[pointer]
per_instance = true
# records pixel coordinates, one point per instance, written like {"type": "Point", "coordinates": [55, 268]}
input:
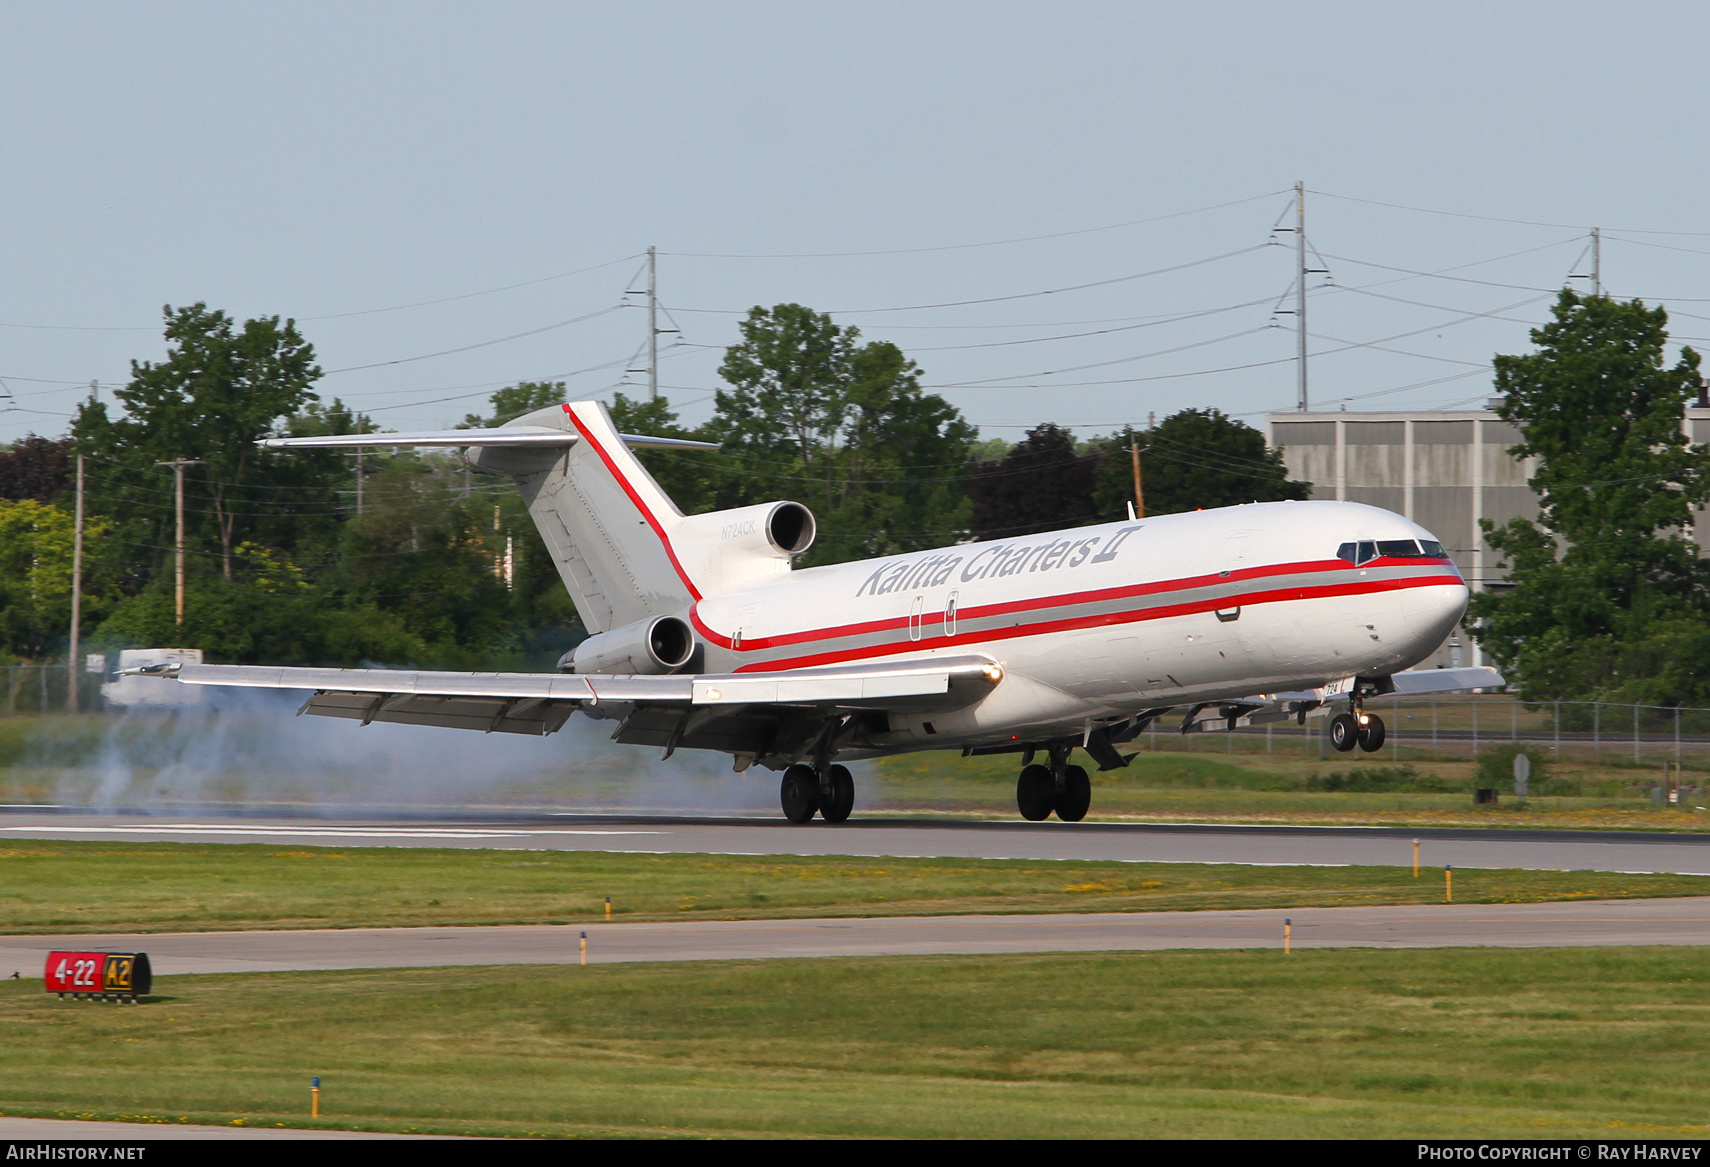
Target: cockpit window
{"type": "Point", "coordinates": [1365, 552]}
{"type": "Point", "coordinates": [1399, 548]}
{"type": "Point", "coordinates": [1358, 553]}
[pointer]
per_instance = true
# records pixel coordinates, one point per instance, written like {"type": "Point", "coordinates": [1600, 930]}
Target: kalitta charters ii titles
{"type": "Point", "coordinates": [993, 562]}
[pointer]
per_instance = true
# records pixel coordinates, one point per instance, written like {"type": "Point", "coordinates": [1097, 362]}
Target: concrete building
{"type": "Point", "coordinates": [1444, 470]}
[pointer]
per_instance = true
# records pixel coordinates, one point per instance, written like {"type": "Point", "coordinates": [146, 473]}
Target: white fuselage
{"type": "Point", "coordinates": [1101, 622]}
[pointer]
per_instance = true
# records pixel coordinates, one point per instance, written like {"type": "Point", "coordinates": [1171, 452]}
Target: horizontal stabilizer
{"type": "Point", "coordinates": [1445, 680]}
{"type": "Point", "coordinates": [512, 436]}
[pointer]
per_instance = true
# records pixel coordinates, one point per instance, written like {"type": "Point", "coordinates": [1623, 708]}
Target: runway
{"type": "Point", "coordinates": [1612, 922]}
{"type": "Point", "coordinates": [938, 838]}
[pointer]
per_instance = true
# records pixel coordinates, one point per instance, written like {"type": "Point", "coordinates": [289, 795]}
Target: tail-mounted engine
{"type": "Point", "coordinates": [660, 645]}
{"type": "Point", "coordinates": [734, 547]}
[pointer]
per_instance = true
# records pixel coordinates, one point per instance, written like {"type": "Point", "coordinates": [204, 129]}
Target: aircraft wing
{"type": "Point", "coordinates": [671, 707]}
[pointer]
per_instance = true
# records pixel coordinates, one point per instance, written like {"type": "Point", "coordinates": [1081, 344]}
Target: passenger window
{"type": "Point", "coordinates": [1366, 553]}
{"type": "Point", "coordinates": [1345, 551]}
{"type": "Point", "coordinates": [1399, 548]}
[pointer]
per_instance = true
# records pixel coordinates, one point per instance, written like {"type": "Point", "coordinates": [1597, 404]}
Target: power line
{"type": "Point", "coordinates": [1495, 218]}
{"type": "Point", "coordinates": [480, 344]}
{"type": "Point", "coordinates": [968, 246]}
{"type": "Point", "coordinates": [1017, 296]}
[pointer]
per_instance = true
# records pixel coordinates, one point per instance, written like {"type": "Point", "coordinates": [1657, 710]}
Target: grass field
{"type": "Point", "coordinates": [1356, 1043]}
{"type": "Point", "coordinates": [1208, 785]}
{"type": "Point", "coordinates": [52, 886]}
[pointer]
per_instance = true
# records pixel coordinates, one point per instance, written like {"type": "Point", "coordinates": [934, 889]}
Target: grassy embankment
{"type": "Point", "coordinates": [1207, 785]}
{"type": "Point", "coordinates": [50, 886]}
{"type": "Point", "coordinates": [1322, 1044]}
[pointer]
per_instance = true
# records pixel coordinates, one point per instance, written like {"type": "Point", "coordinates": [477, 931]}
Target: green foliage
{"type": "Point", "coordinates": [1610, 597]}
{"type": "Point", "coordinates": [513, 401]}
{"type": "Point", "coordinates": [692, 479]}
{"type": "Point", "coordinates": [35, 575]}
{"type": "Point", "coordinates": [243, 621]}
{"type": "Point", "coordinates": [1044, 483]}
{"type": "Point", "coordinates": [220, 390]}
{"type": "Point", "coordinates": [1383, 780]}
{"type": "Point", "coordinates": [1194, 459]}
{"type": "Point", "coordinates": [842, 427]}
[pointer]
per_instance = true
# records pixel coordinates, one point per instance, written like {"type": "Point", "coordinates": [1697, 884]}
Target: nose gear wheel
{"type": "Point", "coordinates": [1344, 732]}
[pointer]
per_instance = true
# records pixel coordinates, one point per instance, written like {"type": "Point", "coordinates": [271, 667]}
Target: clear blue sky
{"type": "Point", "coordinates": [319, 160]}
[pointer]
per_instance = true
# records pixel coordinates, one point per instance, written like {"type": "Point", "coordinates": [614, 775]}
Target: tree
{"type": "Point", "coordinates": [513, 401]}
{"type": "Point", "coordinates": [1609, 594]}
{"type": "Point", "coordinates": [790, 377]}
{"type": "Point", "coordinates": [1042, 484]}
{"type": "Point", "coordinates": [1194, 459]}
{"type": "Point", "coordinates": [842, 426]}
{"type": "Point", "coordinates": [35, 575]}
{"type": "Point", "coordinates": [219, 391]}
{"type": "Point", "coordinates": [902, 477]}
{"type": "Point", "coordinates": [35, 467]}
{"type": "Point", "coordinates": [691, 478]}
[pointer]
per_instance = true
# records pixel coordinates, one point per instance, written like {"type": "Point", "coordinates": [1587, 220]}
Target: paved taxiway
{"type": "Point", "coordinates": [941, 838]}
{"type": "Point", "coordinates": [1661, 921]}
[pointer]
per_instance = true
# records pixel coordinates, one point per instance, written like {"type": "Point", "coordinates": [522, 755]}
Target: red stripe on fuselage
{"type": "Point", "coordinates": [1132, 616]}
{"type": "Point", "coordinates": [652, 521]}
{"type": "Point", "coordinates": [1011, 607]}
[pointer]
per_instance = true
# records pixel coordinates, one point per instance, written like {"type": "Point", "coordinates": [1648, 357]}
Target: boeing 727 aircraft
{"type": "Point", "coordinates": [704, 638]}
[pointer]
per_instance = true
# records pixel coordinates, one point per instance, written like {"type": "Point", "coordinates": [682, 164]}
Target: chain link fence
{"type": "Point", "coordinates": [1461, 726]}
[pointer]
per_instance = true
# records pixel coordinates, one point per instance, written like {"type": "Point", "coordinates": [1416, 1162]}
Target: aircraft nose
{"type": "Point", "coordinates": [1433, 612]}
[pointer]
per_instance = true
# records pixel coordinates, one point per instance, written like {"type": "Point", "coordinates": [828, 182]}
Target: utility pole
{"type": "Point", "coordinates": [178, 506]}
{"type": "Point", "coordinates": [653, 330]}
{"type": "Point", "coordinates": [359, 474]}
{"type": "Point", "coordinates": [1300, 284]}
{"type": "Point", "coordinates": [76, 595]}
{"type": "Point", "coordinates": [652, 325]}
{"type": "Point", "coordinates": [1139, 491]}
{"type": "Point", "coordinates": [1597, 261]}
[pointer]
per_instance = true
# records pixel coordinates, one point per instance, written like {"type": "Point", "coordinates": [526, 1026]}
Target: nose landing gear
{"type": "Point", "coordinates": [1060, 787]}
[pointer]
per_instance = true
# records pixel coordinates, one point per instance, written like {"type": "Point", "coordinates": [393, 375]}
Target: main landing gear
{"type": "Point", "coordinates": [1059, 787]}
{"type": "Point", "coordinates": [830, 790]}
{"type": "Point", "coordinates": [1358, 728]}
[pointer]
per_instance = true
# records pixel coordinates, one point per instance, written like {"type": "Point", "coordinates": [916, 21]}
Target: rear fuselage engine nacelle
{"type": "Point", "coordinates": [662, 644]}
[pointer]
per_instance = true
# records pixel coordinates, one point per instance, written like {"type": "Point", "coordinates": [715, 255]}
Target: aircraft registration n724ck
{"type": "Point", "coordinates": [703, 637]}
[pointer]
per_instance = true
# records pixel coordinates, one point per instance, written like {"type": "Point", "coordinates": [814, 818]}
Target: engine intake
{"type": "Point", "coordinates": [790, 528]}
{"type": "Point", "coordinates": [659, 645]}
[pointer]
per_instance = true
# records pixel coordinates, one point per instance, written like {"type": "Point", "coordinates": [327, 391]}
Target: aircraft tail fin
{"type": "Point", "coordinates": [607, 524]}
{"type": "Point", "coordinates": [621, 546]}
